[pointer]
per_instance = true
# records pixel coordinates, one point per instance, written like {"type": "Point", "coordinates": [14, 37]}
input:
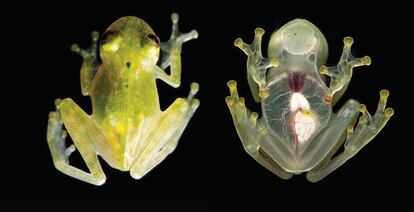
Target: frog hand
{"type": "Point", "coordinates": [256, 63]}
{"type": "Point", "coordinates": [341, 73]}
{"type": "Point", "coordinates": [90, 62]}
{"type": "Point", "coordinates": [172, 48]}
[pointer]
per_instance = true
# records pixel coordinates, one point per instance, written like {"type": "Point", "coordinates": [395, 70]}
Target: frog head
{"type": "Point", "coordinates": [299, 38]}
{"type": "Point", "coordinates": [127, 40]}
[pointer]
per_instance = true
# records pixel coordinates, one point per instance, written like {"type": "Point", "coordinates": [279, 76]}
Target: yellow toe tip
{"type": "Point", "coordinates": [274, 62]}
{"type": "Point", "coordinates": [366, 60]}
{"type": "Point", "coordinates": [254, 116]}
{"type": "Point", "coordinates": [95, 35]}
{"type": "Point", "coordinates": [350, 129]}
{"type": "Point", "coordinates": [263, 94]}
{"type": "Point", "coordinates": [75, 48]}
{"type": "Point", "coordinates": [241, 101]}
{"type": "Point", "coordinates": [384, 93]}
{"type": "Point", "coordinates": [174, 17]}
{"type": "Point", "coordinates": [259, 31]}
{"type": "Point", "coordinates": [348, 41]}
{"type": "Point", "coordinates": [229, 101]}
{"type": "Point", "coordinates": [194, 33]}
{"type": "Point", "coordinates": [194, 86]}
{"type": "Point", "coordinates": [362, 108]}
{"type": "Point", "coordinates": [238, 42]}
{"type": "Point", "coordinates": [232, 84]}
{"type": "Point", "coordinates": [389, 112]}
{"type": "Point", "coordinates": [323, 69]}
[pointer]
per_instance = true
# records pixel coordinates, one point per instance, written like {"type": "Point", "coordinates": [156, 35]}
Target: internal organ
{"type": "Point", "coordinates": [296, 81]}
{"type": "Point", "coordinates": [303, 121]}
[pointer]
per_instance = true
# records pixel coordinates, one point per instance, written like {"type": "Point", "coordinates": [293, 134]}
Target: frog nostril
{"type": "Point", "coordinates": [128, 64]}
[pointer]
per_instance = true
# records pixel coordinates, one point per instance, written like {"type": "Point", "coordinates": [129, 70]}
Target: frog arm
{"type": "Point", "coordinates": [90, 63]}
{"type": "Point", "coordinates": [341, 74]}
{"type": "Point", "coordinates": [171, 53]}
{"type": "Point", "coordinates": [368, 127]}
{"type": "Point", "coordinates": [256, 64]}
{"type": "Point", "coordinates": [251, 132]}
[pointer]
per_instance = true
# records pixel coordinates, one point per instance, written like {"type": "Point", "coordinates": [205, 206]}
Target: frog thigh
{"type": "Point", "coordinates": [164, 138]}
{"type": "Point", "coordinates": [80, 128]}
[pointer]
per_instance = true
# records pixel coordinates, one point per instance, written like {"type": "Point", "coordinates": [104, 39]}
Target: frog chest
{"type": "Point", "coordinates": [295, 110]}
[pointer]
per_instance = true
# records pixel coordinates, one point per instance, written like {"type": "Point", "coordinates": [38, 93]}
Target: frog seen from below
{"type": "Point", "coordinates": [298, 131]}
{"type": "Point", "coordinates": [127, 127]}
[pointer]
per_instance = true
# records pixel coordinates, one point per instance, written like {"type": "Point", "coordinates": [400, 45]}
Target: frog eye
{"type": "Point", "coordinates": [108, 36]}
{"type": "Point", "coordinates": [110, 41]}
{"type": "Point", "coordinates": [154, 39]}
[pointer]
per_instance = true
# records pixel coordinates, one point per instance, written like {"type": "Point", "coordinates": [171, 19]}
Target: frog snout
{"type": "Point", "coordinates": [299, 38]}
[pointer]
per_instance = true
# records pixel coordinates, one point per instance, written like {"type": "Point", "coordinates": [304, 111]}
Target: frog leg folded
{"type": "Point", "coordinates": [90, 63]}
{"type": "Point", "coordinates": [250, 131]}
{"type": "Point", "coordinates": [163, 139]}
{"type": "Point", "coordinates": [368, 127]}
{"type": "Point", "coordinates": [341, 74]}
{"type": "Point", "coordinates": [171, 53]}
{"type": "Point", "coordinates": [86, 137]}
{"type": "Point", "coordinates": [256, 64]}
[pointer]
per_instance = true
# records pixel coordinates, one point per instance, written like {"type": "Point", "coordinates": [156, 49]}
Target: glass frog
{"type": "Point", "coordinates": [127, 127]}
{"type": "Point", "coordinates": [298, 131]}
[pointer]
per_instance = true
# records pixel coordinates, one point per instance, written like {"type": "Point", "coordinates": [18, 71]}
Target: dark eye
{"type": "Point", "coordinates": [108, 36]}
{"type": "Point", "coordinates": [154, 39]}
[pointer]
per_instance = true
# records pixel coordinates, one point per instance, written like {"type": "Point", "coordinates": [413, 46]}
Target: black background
{"type": "Point", "coordinates": [209, 166]}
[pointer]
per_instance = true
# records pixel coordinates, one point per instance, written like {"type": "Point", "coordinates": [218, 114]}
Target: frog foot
{"type": "Point", "coordinates": [89, 54]}
{"type": "Point", "coordinates": [368, 126]}
{"type": "Point", "coordinates": [194, 87]}
{"type": "Point", "coordinates": [256, 63]}
{"type": "Point", "coordinates": [341, 73]}
{"type": "Point", "coordinates": [57, 135]}
{"type": "Point", "coordinates": [176, 40]}
{"type": "Point", "coordinates": [235, 103]}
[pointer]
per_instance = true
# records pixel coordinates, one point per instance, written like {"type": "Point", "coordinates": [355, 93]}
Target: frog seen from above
{"type": "Point", "coordinates": [298, 131]}
{"type": "Point", "coordinates": [127, 127]}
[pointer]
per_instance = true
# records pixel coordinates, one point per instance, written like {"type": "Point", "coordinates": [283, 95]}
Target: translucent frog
{"type": "Point", "coordinates": [127, 127]}
{"type": "Point", "coordinates": [298, 131]}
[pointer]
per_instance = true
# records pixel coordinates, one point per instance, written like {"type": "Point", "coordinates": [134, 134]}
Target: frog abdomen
{"type": "Point", "coordinates": [294, 110]}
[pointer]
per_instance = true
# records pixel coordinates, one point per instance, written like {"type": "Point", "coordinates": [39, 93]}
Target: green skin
{"type": "Point", "coordinates": [127, 127]}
